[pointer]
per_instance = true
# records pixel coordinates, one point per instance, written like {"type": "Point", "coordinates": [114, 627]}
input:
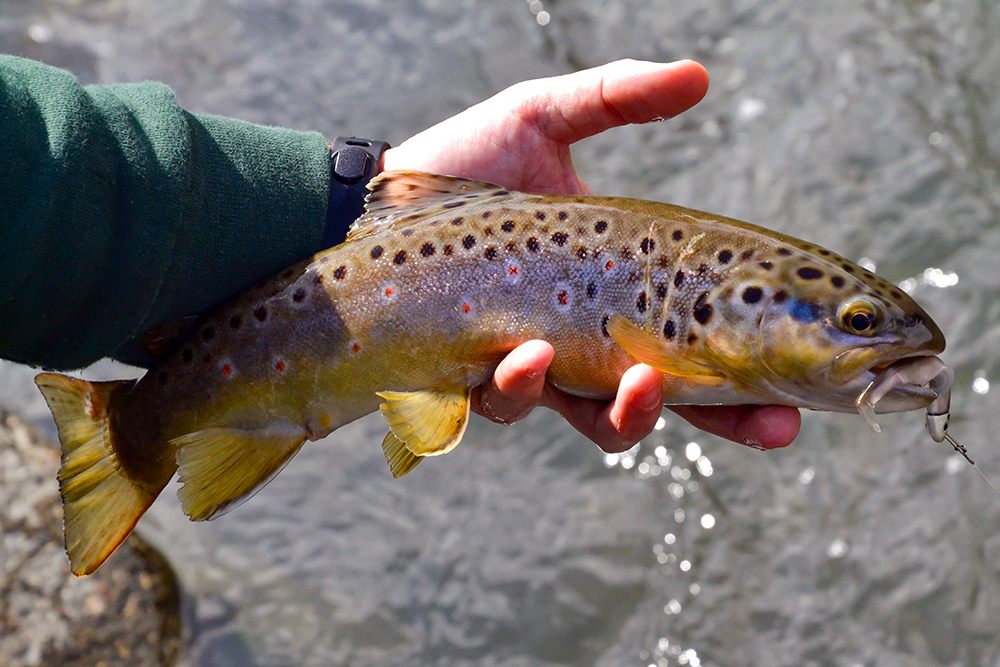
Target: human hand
{"type": "Point", "coordinates": [520, 138]}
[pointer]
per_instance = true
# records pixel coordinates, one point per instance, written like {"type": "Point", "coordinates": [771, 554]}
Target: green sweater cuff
{"type": "Point", "coordinates": [122, 212]}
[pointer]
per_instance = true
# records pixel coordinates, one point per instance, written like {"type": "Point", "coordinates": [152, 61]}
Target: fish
{"type": "Point", "coordinates": [437, 281]}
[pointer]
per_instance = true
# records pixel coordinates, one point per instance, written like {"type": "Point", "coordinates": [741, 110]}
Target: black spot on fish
{"type": "Point", "coordinates": [260, 313]}
{"type": "Point", "coordinates": [640, 303]}
{"type": "Point", "coordinates": [468, 242]}
{"type": "Point", "coordinates": [532, 244]}
{"type": "Point", "coordinates": [661, 291]}
{"type": "Point", "coordinates": [512, 246]}
{"type": "Point", "coordinates": [601, 226]}
{"type": "Point", "coordinates": [678, 279]}
{"type": "Point", "coordinates": [407, 232]}
{"type": "Point", "coordinates": [669, 330]}
{"type": "Point", "coordinates": [591, 290]}
{"type": "Point", "coordinates": [235, 321]}
{"type": "Point", "coordinates": [454, 204]}
{"type": "Point", "coordinates": [581, 252]}
{"type": "Point", "coordinates": [678, 235]}
{"type": "Point", "coordinates": [747, 254]}
{"type": "Point", "coordinates": [458, 221]}
{"type": "Point", "coordinates": [448, 250]}
{"type": "Point", "coordinates": [766, 265]}
{"type": "Point", "coordinates": [187, 355]}
{"type": "Point", "coordinates": [895, 294]}
{"type": "Point", "coordinates": [702, 269]}
{"type": "Point", "coordinates": [487, 214]}
{"type": "Point", "coordinates": [692, 338]}
{"type": "Point", "coordinates": [824, 252]}
{"type": "Point", "coordinates": [340, 272]}
{"type": "Point", "coordinates": [490, 253]}
{"type": "Point", "coordinates": [427, 249]}
{"type": "Point", "coordinates": [508, 226]}
{"type": "Point", "coordinates": [626, 252]}
{"type": "Point", "coordinates": [809, 273]}
{"type": "Point", "coordinates": [837, 281]}
{"type": "Point", "coordinates": [664, 262]}
{"type": "Point", "coordinates": [604, 326]}
{"type": "Point", "coordinates": [752, 295]}
{"type": "Point", "coordinates": [702, 310]}
{"type": "Point", "coordinates": [400, 258]}
{"type": "Point", "coordinates": [318, 279]}
{"type": "Point", "coordinates": [488, 231]}
{"type": "Point", "coordinates": [563, 215]}
{"type": "Point", "coordinates": [780, 296]}
{"type": "Point", "coordinates": [847, 267]}
{"type": "Point", "coordinates": [647, 245]}
{"type": "Point", "coordinates": [725, 256]}
{"type": "Point", "coordinates": [377, 252]}
{"type": "Point", "coordinates": [784, 252]}
{"type": "Point", "coordinates": [208, 333]}
{"type": "Point", "coordinates": [299, 295]}
{"type": "Point", "coordinates": [540, 215]}
{"type": "Point", "coordinates": [560, 238]}
{"type": "Point", "coordinates": [500, 193]}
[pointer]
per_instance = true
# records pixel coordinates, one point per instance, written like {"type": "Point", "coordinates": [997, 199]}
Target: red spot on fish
{"type": "Point", "coordinates": [280, 366]}
{"type": "Point", "coordinates": [610, 265]}
{"type": "Point", "coordinates": [513, 270]}
{"type": "Point", "coordinates": [563, 297]}
{"type": "Point", "coordinates": [227, 369]}
{"type": "Point", "coordinates": [466, 308]}
{"type": "Point", "coordinates": [389, 291]}
{"type": "Point", "coordinates": [356, 348]}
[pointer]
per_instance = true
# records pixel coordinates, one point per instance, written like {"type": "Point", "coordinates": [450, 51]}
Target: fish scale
{"type": "Point", "coordinates": [435, 284]}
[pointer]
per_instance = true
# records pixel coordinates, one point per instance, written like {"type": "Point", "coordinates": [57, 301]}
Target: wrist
{"type": "Point", "coordinates": [353, 163]}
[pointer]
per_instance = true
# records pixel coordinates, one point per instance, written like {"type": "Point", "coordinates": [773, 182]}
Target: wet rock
{"type": "Point", "coordinates": [127, 613]}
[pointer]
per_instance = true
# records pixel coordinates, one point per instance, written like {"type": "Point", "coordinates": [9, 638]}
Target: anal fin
{"type": "Point", "coordinates": [646, 348]}
{"type": "Point", "coordinates": [429, 422]}
{"type": "Point", "coordinates": [221, 468]}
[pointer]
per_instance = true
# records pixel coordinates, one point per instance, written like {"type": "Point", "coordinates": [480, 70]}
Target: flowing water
{"type": "Point", "coordinates": [871, 127]}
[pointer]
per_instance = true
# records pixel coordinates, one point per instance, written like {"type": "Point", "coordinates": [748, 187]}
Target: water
{"type": "Point", "coordinates": [869, 127]}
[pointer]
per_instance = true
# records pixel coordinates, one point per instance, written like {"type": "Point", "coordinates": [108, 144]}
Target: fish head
{"type": "Point", "coordinates": [818, 329]}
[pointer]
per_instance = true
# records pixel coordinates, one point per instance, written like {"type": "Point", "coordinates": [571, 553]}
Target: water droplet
{"type": "Point", "coordinates": [866, 264]}
{"type": "Point", "coordinates": [704, 466]}
{"type": "Point", "coordinates": [679, 516]}
{"type": "Point", "coordinates": [837, 549]}
{"type": "Point", "coordinates": [807, 475]}
{"type": "Point", "coordinates": [934, 139]}
{"type": "Point", "coordinates": [980, 384]}
{"type": "Point", "coordinates": [692, 451]}
{"type": "Point", "coordinates": [672, 607]}
{"type": "Point", "coordinates": [685, 565]}
{"type": "Point", "coordinates": [660, 424]}
{"type": "Point", "coordinates": [707, 521]}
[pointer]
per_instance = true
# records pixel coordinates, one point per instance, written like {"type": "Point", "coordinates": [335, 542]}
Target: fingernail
{"type": "Point", "coordinates": [651, 399]}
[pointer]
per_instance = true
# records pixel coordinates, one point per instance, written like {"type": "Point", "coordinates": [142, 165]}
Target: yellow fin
{"type": "Point", "coordinates": [646, 348]}
{"type": "Point", "coordinates": [400, 459]}
{"type": "Point", "coordinates": [101, 504]}
{"type": "Point", "coordinates": [395, 195]}
{"type": "Point", "coordinates": [221, 468]}
{"type": "Point", "coordinates": [430, 422]}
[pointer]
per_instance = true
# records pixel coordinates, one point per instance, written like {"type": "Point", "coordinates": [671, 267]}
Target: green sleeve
{"type": "Point", "coordinates": [120, 211]}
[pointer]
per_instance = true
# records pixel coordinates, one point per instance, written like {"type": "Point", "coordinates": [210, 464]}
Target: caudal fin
{"type": "Point", "coordinates": [101, 504]}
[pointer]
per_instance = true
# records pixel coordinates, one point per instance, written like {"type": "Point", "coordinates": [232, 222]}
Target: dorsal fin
{"type": "Point", "coordinates": [396, 196]}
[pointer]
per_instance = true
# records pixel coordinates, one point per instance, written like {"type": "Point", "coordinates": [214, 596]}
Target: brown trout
{"type": "Point", "coordinates": [435, 284]}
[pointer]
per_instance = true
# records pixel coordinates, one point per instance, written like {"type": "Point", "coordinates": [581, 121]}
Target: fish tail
{"type": "Point", "coordinates": [101, 503]}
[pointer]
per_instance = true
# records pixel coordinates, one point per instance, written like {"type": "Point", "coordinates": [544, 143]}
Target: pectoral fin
{"type": "Point", "coordinates": [400, 459]}
{"type": "Point", "coordinates": [221, 468]}
{"type": "Point", "coordinates": [646, 348]}
{"type": "Point", "coordinates": [429, 422]}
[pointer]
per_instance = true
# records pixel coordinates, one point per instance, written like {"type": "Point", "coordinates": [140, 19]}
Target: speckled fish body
{"type": "Point", "coordinates": [442, 277]}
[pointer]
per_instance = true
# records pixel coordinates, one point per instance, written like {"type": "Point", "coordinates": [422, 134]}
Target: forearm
{"type": "Point", "coordinates": [120, 211]}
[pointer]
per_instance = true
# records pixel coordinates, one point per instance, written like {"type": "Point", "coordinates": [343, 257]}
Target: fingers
{"type": "Point", "coordinates": [757, 426]}
{"type": "Point", "coordinates": [617, 426]}
{"type": "Point", "coordinates": [575, 106]}
{"type": "Point", "coordinates": [517, 384]}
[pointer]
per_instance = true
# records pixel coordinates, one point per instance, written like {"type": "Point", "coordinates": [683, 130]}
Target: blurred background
{"type": "Point", "coordinates": [871, 127]}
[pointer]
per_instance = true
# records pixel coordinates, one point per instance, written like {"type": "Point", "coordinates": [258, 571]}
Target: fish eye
{"type": "Point", "coordinates": [861, 316]}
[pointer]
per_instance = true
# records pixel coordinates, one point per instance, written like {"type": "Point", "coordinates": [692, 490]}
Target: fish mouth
{"type": "Point", "coordinates": [906, 384]}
